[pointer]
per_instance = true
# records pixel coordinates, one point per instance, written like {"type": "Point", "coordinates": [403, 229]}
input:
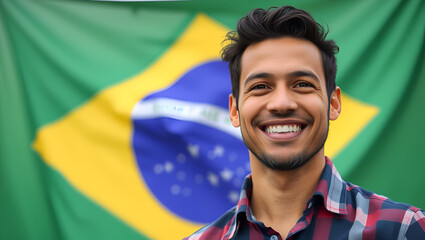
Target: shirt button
{"type": "Point", "coordinates": [274, 237]}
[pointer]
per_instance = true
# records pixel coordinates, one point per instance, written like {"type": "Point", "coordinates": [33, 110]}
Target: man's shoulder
{"type": "Point", "coordinates": [359, 197]}
{"type": "Point", "coordinates": [219, 229]}
{"type": "Point", "coordinates": [383, 211]}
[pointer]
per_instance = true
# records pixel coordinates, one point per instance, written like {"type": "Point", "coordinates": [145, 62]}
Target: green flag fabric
{"type": "Point", "coordinates": [113, 121]}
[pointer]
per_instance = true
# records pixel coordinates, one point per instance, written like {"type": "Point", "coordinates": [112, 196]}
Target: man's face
{"type": "Point", "coordinates": [283, 106]}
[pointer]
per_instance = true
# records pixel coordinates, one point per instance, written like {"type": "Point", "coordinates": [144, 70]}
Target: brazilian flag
{"type": "Point", "coordinates": [114, 120]}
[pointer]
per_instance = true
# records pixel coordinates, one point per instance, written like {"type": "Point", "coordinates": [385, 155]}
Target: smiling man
{"type": "Point", "coordinates": [283, 96]}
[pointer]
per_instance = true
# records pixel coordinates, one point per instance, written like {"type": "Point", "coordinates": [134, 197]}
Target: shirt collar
{"type": "Point", "coordinates": [243, 211]}
{"type": "Point", "coordinates": [331, 189]}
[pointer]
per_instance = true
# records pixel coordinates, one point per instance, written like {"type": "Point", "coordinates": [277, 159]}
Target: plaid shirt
{"type": "Point", "coordinates": [337, 210]}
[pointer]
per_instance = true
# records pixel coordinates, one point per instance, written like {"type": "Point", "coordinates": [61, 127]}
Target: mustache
{"type": "Point", "coordinates": [282, 116]}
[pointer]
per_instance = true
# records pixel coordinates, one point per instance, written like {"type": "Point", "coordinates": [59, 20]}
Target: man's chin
{"type": "Point", "coordinates": [284, 163]}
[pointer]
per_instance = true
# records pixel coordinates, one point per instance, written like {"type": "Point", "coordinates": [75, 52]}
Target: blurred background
{"type": "Point", "coordinates": [113, 115]}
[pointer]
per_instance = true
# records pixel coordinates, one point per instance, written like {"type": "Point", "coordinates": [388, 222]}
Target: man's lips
{"type": "Point", "coordinates": [282, 126]}
{"type": "Point", "coordinates": [283, 129]}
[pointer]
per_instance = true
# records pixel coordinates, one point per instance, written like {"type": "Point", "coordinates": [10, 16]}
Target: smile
{"type": "Point", "coordinates": [286, 128]}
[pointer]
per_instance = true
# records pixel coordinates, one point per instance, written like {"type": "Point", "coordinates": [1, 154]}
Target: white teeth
{"type": "Point", "coordinates": [283, 128]}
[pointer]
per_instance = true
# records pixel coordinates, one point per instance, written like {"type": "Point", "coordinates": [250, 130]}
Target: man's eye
{"type": "Point", "coordinates": [304, 84]}
{"type": "Point", "coordinates": [259, 87]}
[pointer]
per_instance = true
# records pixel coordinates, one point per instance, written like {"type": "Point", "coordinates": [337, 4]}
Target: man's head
{"type": "Point", "coordinates": [260, 24]}
{"type": "Point", "coordinates": [284, 93]}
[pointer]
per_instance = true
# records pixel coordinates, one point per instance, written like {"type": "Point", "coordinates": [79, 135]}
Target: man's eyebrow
{"type": "Point", "coordinates": [256, 76]}
{"type": "Point", "coordinates": [304, 73]}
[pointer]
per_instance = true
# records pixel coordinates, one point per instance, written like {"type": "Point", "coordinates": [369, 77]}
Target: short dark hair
{"type": "Point", "coordinates": [260, 24]}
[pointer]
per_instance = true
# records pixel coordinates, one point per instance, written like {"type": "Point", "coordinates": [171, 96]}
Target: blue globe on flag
{"type": "Point", "coordinates": [190, 156]}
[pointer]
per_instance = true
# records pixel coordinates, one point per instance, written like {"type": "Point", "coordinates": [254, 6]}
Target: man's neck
{"type": "Point", "coordinates": [279, 197]}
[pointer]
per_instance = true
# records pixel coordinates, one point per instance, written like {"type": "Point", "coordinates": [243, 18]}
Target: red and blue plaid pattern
{"type": "Point", "coordinates": [337, 210]}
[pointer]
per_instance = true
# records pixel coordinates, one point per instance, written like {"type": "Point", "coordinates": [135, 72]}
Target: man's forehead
{"type": "Point", "coordinates": [286, 54]}
{"type": "Point", "coordinates": [282, 46]}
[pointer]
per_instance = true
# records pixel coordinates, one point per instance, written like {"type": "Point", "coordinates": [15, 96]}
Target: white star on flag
{"type": "Point", "coordinates": [168, 166]}
{"type": "Point", "coordinates": [213, 179]}
{"type": "Point", "coordinates": [233, 196]}
{"type": "Point", "coordinates": [226, 174]}
{"type": "Point", "coordinates": [193, 150]}
{"type": "Point", "coordinates": [218, 151]}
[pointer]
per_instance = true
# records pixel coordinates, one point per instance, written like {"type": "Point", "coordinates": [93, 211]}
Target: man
{"type": "Point", "coordinates": [283, 96]}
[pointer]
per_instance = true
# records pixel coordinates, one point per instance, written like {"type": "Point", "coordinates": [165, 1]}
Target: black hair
{"type": "Point", "coordinates": [260, 24]}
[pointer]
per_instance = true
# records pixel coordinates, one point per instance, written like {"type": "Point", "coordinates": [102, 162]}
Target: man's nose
{"type": "Point", "coordinates": [281, 101]}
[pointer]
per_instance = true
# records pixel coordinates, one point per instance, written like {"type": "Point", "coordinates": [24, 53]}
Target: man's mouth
{"type": "Point", "coordinates": [283, 128]}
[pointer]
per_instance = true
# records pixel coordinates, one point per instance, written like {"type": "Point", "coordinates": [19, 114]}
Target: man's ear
{"type": "Point", "coordinates": [233, 111]}
{"type": "Point", "coordinates": [335, 104]}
